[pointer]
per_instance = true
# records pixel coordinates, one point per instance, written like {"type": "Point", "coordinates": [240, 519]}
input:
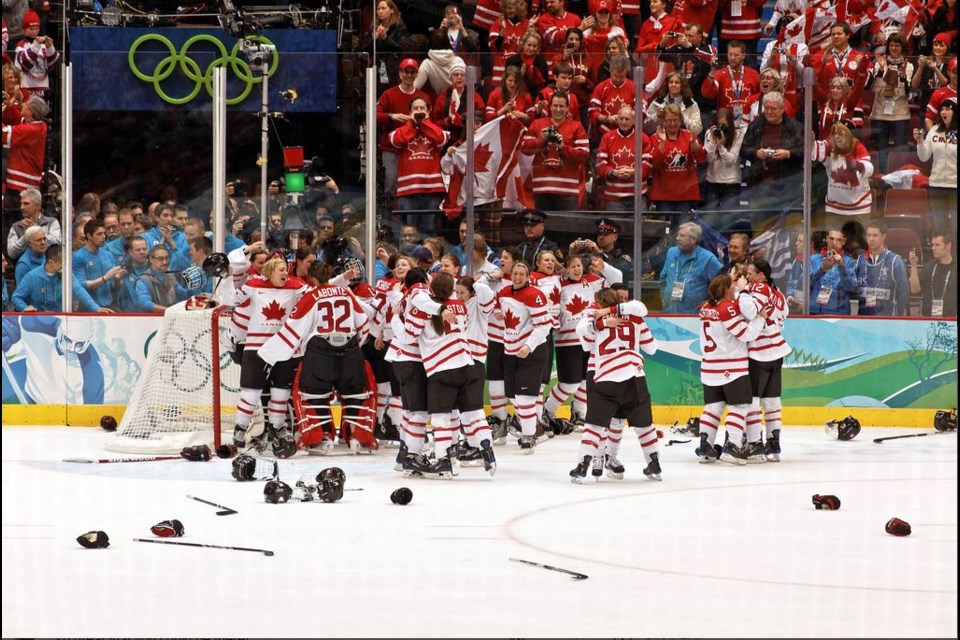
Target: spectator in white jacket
{"type": "Point", "coordinates": [677, 91]}
{"type": "Point", "coordinates": [940, 143]}
{"type": "Point", "coordinates": [722, 187]}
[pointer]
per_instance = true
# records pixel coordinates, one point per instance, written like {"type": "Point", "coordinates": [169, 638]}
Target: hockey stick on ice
{"type": "Point", "coordinates": [207, 546]}
{"type": "Point", "coordinates": [110, 460]}
{"type": "Point", "coordinates": [574, 574]}
{"type": "Point", "coordinates": [911, 435]}
{"type": "Point", "coordinates": [227, 511]}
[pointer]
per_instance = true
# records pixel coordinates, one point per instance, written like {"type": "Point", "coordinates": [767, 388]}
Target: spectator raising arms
{"type": "Point", "coordinates": [940, 144]}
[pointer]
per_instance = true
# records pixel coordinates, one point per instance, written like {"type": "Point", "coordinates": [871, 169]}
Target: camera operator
{"type": "Point", "coordinates": [833, 277]}
{"type": "Point", "coordinates": [692, 56]}
{"type": "Point", "coordinates": [135, 262]}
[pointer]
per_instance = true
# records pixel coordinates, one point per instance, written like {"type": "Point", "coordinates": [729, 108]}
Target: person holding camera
{"type": "Point", "coordinates": [931, 73]}
{"type": "Point", "coordinates": [462, 40]}
{"type": "Point", "coordinates": [560, 149]}
{"type": "Point", "coordinates": [657, 33]}
{"type": "Point", "coordinates": [35, 56]}
{"type": "Point", "coordinates": [420, 187]}
{"type": "Point", "coordinates": [936, 279]}
{"type": "Point", "coordinates": [135, 263]}
{"type": "Point", "coordinates": [617, 164]}
{"type": "Point", "coordinates": [833, 277]}
{"type": "Point", "coordinates": [676, 91]}
{"type": "Point", "coordinates": [393, 111]}
{"type": "Point", "coordinates": [552, 25]}
{"type": "Point", "coordinates": [27, 142]}
{"type": "Point", "coordinates": [732, 85]}
{"type": "Point", "coordinates": [722, 187]}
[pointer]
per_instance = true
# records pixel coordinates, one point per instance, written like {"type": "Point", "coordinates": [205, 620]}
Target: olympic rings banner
{"type": "Point", "coordinates": [158, 69]}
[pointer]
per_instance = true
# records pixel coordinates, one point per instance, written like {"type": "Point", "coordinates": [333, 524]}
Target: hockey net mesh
{"type": "Point", "coordinates": [173, 404]}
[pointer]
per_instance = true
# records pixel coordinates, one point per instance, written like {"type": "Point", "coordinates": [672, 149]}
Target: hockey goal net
{"type": "Point", "coordinates": [182, 399]}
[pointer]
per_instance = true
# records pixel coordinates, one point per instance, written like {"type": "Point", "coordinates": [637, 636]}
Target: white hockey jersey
{"type": "Point", "coordinates": [526, 318]}
{"type": "Point", "coordinates": [261, 309]}
{"type": "Point", "coordinates": [770, 344]}
{"type": "Point", "coordinates": [479, 312]}
{"type": "Point", "coordinates": [550, 286]}
{"type": "Point", "coordinates": [724, 334]}
{"type": "Point", "coordinates": [441, 351]}
{"type": "Point", "coordinates": [495, 325]}
{"type": "Point", "coordinates": [576, 301]}
{"type": "Point", "coordinates": [324, 311]}
{"type": "Point", "coordinates": [615, 351]}
{"type": "Point", "coordinates": [404, 347]}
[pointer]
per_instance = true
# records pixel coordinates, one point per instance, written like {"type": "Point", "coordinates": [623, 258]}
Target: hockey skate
{"type": "Point", "coordinates": [597, 468]}
{"type": "Point", "coordinates": [772, 448]}
{"type": "Point", "coordinates": [498, 429]}
{"type": "Point", "coordinates": [322, 448]}
{"type": "Point", "coordinates": [402, 454]}
{"type": "Point", "coordinates": [239, 437]}
{"type": "Point", "coordinates": [755, 452]}
{"type": "Point", "coordinates": [614, 467]}
{"type": "Point", "coordinates": [467, 455]}
{"type": "Point", "coordinates": [579, 473]}
{"type": "Point", "coordinates": [489, 460]}
{"type": "Point", "coordinates": [418, 465]}
{"type": "Point", "coordinates": [706, 452]}
{"type": "Point", "coordinates": [545, 424]}
{"type": "Point", "coordinates": [527, 443]}
{"type": "Point", "coordinates": [653, 469]}
{"type": "Point", "coordinates": [557, 426]}
{"type": "Point", "coordinates": [386, 430]}
{"type": "Point", "coordinates": [733, 454]}
{"type": "Point", "coordinates": [540, 434]}
{"type": "Point", "coordinates": [577, 421]}
{"type": "Point", "coordinates": [513, 425]}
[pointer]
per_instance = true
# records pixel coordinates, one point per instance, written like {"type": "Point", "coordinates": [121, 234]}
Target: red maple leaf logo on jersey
{"type": "Point", "coordinates": [623, 157]}
{"type": "Point", "coordinates": [273, 311]}
{"type": "Point", "coordinates": [555, 296]}
{"type": "Point", "coordinates": [481, 158]}
{"type": "Point", "coordinates": [510, 321]}
{"type": "Point", "coordinates": [846, 175]}
{"type": "Point", "coordinates": [420, 148]}
{"type": "Point", "coordinates": [576, 305]}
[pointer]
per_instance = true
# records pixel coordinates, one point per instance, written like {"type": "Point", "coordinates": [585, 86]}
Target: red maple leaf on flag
{"type": "Point", "coordinates": [510, 321]}
{"type": "Point", "coordinates": [273, 311]}
{"type": "Point", "coordinates": [555, 296]}
{"type": "Point", "coordinates": [481, 157]}
{"type": "Point", "coordinates": [576, 305]}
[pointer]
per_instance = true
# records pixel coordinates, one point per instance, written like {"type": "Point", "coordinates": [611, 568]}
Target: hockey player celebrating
{"type": "Point", "coordinates": [615, 334]}
{"type": "Point", "coordinates": [327, 326]}
{"type": "Point", "coordinates": [262, 306]}
{"type": "Point", "coordinates": [725, 330]}
{"type": "Point", "coordinates": [526, 320]}
{"type": "Point", "coordinates": [766, 363]}
{"type": "Point", "coordinates": [498, 400]}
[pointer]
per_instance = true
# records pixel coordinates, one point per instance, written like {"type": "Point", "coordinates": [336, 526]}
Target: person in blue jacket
{"type": "Point", "coordinates": [42, 288]}
{"type": "Point", "coordinates": [687, 270]}
{"type": "Point", "coordinates": [881, 276]}
{"type": "Point", "coordinates": [833, 277]}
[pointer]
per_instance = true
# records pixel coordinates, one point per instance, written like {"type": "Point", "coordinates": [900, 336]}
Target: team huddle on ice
{"type": "Point", "coordinates": [426, 345]}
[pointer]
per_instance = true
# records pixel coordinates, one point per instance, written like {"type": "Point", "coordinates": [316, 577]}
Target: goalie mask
{"type": "Point", "coordinates": [216, 265]}
{"type": "Point", "coordinates": [331, 481]}
{"type": "Point", "coordinates": [945, 421]}
{"type": "Point", "coordinates": [846, 429]}
{"type": "Point", "coordinates": [74, 335]}
{"type": "Point", "coordinates": [357, 265]}
{"type": "Point", "coordinates": [277, 492]}
{"type": "Point", "coordinates": [191, 278]}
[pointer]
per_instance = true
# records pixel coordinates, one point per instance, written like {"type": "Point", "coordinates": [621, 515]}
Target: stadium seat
{"type": "Point", "coordinates": [896, 159]}
{"type": "Point", "coordinates": [906, 208]}
{"type": "Point", "coordinates": [901, 241]}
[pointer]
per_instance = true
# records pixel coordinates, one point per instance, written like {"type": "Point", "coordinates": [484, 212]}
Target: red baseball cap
{"type": "Point", "coordinates": [944, 38]}
{"type": "Point", "coordinates": [603, 5]}
{"type": "Point", "coordinates": [30, 19]}
{"type": "Point", "coordinates": [409, 63]}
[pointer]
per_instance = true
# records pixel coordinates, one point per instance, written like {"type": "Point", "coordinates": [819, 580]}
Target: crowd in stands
{"type": "Point", "coordinates": [722, 142]}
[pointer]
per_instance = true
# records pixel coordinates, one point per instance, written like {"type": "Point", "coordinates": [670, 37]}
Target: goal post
{"type": "Point", "coordinates": [188, 392]}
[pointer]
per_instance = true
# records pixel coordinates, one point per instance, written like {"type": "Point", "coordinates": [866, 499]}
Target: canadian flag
{"type": "Point", "coordinates": [496, 165]}
{"type": "Point", "coordinates": [905, 12]}
{"type": "Point", "coordinates": [812, 27]}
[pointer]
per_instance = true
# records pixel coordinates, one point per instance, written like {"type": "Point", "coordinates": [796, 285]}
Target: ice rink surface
{"type": "Point", "coordinates": [713, 550]}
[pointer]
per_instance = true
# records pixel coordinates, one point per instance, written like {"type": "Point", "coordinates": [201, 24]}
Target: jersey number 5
{"type": "Point", "coordinates": [708, 342]}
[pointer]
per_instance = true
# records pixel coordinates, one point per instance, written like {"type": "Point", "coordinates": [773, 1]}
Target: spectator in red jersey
{"type": "Point", "coordinates": [676, 153]}
{"type": "Point", "coordinates": [552, 26]}
{"type": "Point", "coordinates": [393, 111]}
{"type": "Point", "coordinates": [27, 143]}
{"type": "Point", "coordinates": [610, 95]}
{"type": "Point", "coordinates": [840, 107]}
{"type": "Point", "coordinates": [740, 22]}
{"type": "Point", "coordinates": [506, 34]}
{"type": "Point", "coordinates": [532, 63]}
{"type": "Point", "coordinates": [732, 85]}
{"type": "Point", "coordinates": [419, 180]}
{"type": "Point", "coordinates": [598, 28]}
{"type": "Point", "coordinates": [838, 58]}
{"type": "Point", "coordinates": [658, 32]}
{"type": "Point", "coordinates": [511, 98]}
{"type": "Point", "coordinates": [617, 165]}
{"type": "Point", "coordinates": [563, 83]}
{"type": "Point", "coordinates": [450, 108]}
{"type": "Point", "coordinates": [559, 147]}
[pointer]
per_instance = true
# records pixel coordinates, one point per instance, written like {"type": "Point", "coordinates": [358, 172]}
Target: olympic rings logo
{"type": "Point", "coordinates": [189, 67]}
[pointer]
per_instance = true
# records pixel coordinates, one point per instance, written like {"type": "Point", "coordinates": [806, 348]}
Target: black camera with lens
{"type": "Point", "coordinates": [721, 130]}
{"type": "Point", "coordinates": [553, 135]}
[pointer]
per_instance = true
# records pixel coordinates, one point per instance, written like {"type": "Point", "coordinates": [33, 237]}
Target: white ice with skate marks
{"type": "Point", "coordinates": [713, 550]}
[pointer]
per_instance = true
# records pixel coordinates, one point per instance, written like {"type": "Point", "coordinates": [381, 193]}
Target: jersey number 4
{"type": "Point", "coordinates": [334, 317]}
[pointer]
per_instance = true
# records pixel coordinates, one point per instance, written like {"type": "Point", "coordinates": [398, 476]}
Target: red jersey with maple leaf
{"type": "Point", "coordinates": [262, 308]}
{"type": "Point", "coordinates": [526, 320]}
{"type": "Point", "coordinates": [394, 100]}
{"type": "Point", "coordinates": [553, 30]}
{"type": "Point", "coordinates": [740, 19]}
{"type": "Point", "coordinates": [322, 311]}
{"type": "Point", "coordinates": [576, 297]}
{"type": "Point", "coordinates": [848, 186]}
{"type": "Point", "coordinates": [724, 334]}
{"type": "Point", "coordinates": [616, 151]}
{"type": "Point", "coordinates": [615, 351]}
{"type": "Point", "coordinates": [607, 100]}
{"type": "Point", "coordinates": [731, 88]}
{"type": "Point", "coordinates": [557, 169]}
{"type": "Point", "coordinates": [441, 351]}
{"type": "Point", "coordinates": [546, 94]}
{"type": "Point", "coordinates": [550, 286]}
{"type": "Point", "coordinates": [524, 103]}
{"type": "Point", "coordinates": [770, 344]}
{"type": "Point", "coordinates": [418, 161]}
{"type": "Point", "coordinates": [505, 42]}
{"type": "Point", "coordinates": [852, 65]}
